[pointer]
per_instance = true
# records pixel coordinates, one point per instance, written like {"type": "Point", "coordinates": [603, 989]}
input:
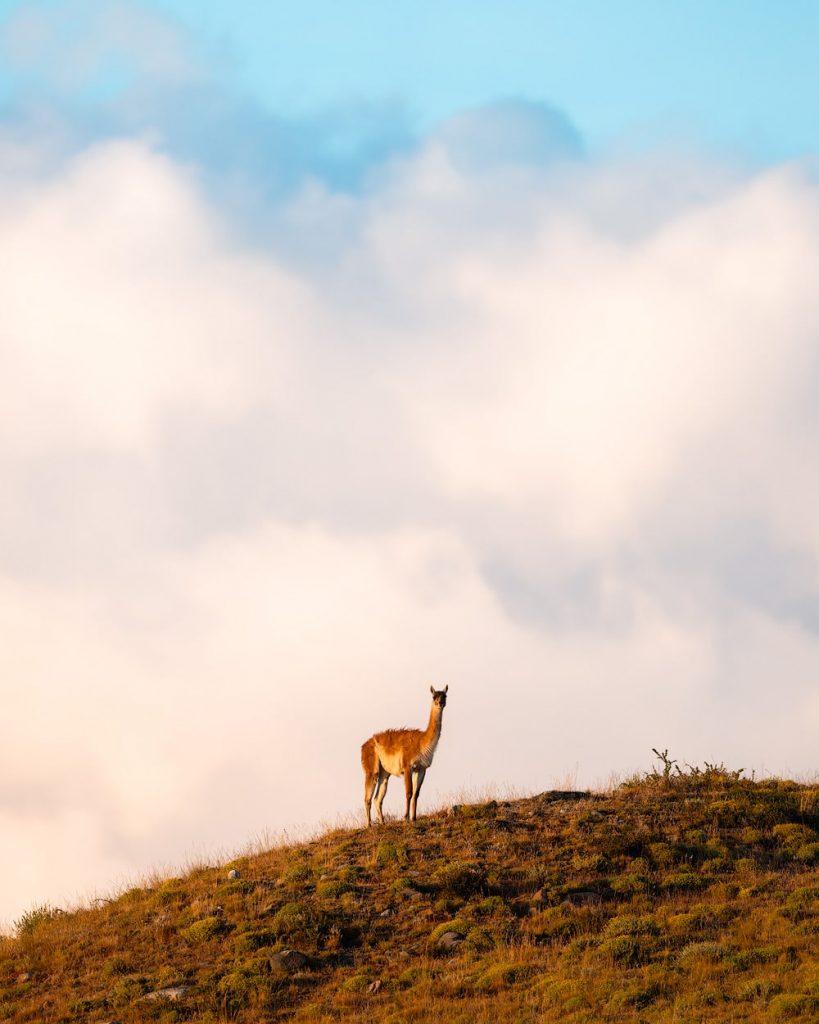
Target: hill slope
{"type": "Point", "coordinates": [689, 898]}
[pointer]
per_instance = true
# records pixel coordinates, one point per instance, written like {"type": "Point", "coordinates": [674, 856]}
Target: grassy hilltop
{"type": "Point", "coordinates": [679, 897]}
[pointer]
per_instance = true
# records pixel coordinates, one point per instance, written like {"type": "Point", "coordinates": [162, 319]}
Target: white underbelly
{"type": "Point", "coordinates": [391, 762]}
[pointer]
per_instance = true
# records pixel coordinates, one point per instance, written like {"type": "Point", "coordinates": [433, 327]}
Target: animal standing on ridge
{"type": "Point", "coordinates": [407, 752]}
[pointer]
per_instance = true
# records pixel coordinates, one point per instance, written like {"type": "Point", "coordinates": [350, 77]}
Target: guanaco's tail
{"type": "Point", "coordinates": [369, 758]}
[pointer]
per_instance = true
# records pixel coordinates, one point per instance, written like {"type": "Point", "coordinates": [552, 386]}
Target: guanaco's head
{"type": "Point", "coordinates": [439, 696]}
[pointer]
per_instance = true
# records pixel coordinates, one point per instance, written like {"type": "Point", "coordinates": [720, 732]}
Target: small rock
{"type": "Point", "coordinates": [454, 811]}
{"type": "Point", "coordinates": [375, 987]}
{"type": "Point", "coordinates": [233, 874]}
{"type": "Point", "coordinates": [289, 960]}
{"type": "Point", "coordinates": [387, 913]}
{"type": "Point", "coordinates": [449, 942]}
{"type": "Point", "coordinates": [173, 994]}
{"type": "Point", "coordinates": [23, 978]}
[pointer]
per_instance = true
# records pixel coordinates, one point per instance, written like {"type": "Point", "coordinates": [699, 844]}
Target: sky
{"type": "Point", "coordinates": [348, 352]}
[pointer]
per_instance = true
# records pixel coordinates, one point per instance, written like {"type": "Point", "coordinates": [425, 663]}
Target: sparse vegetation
{"type": "Point", "coordinates": [687, 895]}
{"type": "Point", "coordinates": [32, 919]}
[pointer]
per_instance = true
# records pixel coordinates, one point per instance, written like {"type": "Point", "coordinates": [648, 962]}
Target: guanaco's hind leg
{"type": "Point", "coordinates": [369, 788]}
{"type": "Point", "coordinates": [381, 791]}
{"type": "Point", "coordinates": [371, 766]}
{"type": "Point", "coordinates": [417, 782]}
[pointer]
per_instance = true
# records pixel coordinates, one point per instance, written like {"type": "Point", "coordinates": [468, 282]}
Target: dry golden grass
{"type": "Point", "coordinates": [673, 898]}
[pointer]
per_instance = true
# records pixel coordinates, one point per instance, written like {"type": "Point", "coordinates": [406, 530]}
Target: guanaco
{"type": "Point", "coordinates": [407, 752]}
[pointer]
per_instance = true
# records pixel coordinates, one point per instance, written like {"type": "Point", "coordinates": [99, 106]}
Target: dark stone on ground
{"type": "Point", "coordinates": [289, 960]}
{"type": "Point", "coordinates": [449, 942]}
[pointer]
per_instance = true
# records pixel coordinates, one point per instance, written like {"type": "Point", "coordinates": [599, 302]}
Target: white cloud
{"type": "Point", "coordinates": [123, 303]}
{"type": "Point", "coordinates": [502, 441]}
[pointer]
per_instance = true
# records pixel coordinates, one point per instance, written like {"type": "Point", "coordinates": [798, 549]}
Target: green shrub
{"type": "Point", "coordinates": [808, 854]}
{"type": "Point", "coordinates": [729, 813]}
{"type": "Point", "coordinates": [236, 887]}
{"type": "Point", "coordinates": [591, 864]}
{"type": "Point", "coordinates": [331, 890]}
{"type": "Point", "coordinates": [747, 958]}
{"type": "Point", "coordinates": [801, 903]}
{"type": "Point", "coordinates": [248, 985]}
{"type": "Point", "coordinates": [718, 866]}
{"type": "Point", "coordinates": [553, 923]}
{"type": "Point", "coordinates": [205, 929]}
{"type": "Point", "coordinates": [250, 941]}
{"type": "Point", "coordinates": [115, 965]}
{"type": "Point", "coordinates": [698, 952]}
{"type": "Point", "coordinates": [127, 990]}
{"type": "Point", "coordinates": [629, 884]}
{"type": "Point", "coordinates": [575, 948]}
{"type": "Point", "coordinates": [626, 950]}
{"type": "Point", "coordinates": [168, 977]}
{"type": "Point", "coordinates": [299, 871]}
{"type": "Point", "coordinates": [32, 919]}
{"type": "Point", "coordinates": [460, 878]}
{"type": "Point", "coordinates": [479, 940]}
{"type": "Point", "coordinates": [638, 995]}
{"type": "Point", "coordinates": [389, 853]}
{"type": "Point", "coordinates": [80, 1007]}
{"type": "Point", "coordinates": [631, 924]}
{"type": "Point", "coordinates": [786, 1006]}
{"type": "Point", "coordinates": [500, 976]}
{"type": "Point", "coordinates": [760, 990]}
{"type": "Point", "coordinates": [171, 891]}
{"type": "Point", "coordinates": [358, 983]}
{"type": "Point", "coordinates": [663, 854]}
{"type": "Point", "coordinates": [792, 836]}
{"type": "Point", "coordinates": [492, 906]}
{"type": "Point", "coordinates": [683, 881]}
{"type": "Point", "coordinates": [487, 810]}
{"type": "Point", "coordinates": [410, 977]}
{"type": "Point", "coordinates": [295, 920]}
{"type": "Point", "coordinates": [751, 836]}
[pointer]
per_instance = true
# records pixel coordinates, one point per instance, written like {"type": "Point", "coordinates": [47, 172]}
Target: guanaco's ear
{"type": "Point", "coordinates": [446, 687]}
{"type": "Point", "coordinates": [432, 690]}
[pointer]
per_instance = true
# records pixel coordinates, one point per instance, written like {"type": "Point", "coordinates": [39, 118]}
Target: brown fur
{"type": "Point", "coordinates": [405, 752]}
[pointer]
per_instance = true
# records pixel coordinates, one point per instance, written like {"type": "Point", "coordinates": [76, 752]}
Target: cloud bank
{"type": "Point", "coordinates": [537, 427]}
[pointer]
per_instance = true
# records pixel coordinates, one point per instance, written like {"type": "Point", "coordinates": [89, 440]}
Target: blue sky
{"type": "Point", "coordinates": [742, 73]}
{"type": "Point", "coordinates": [739, 76]}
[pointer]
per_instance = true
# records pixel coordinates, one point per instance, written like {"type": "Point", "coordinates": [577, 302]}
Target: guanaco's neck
{"type": "Point", "coordinates": [433, 731]}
